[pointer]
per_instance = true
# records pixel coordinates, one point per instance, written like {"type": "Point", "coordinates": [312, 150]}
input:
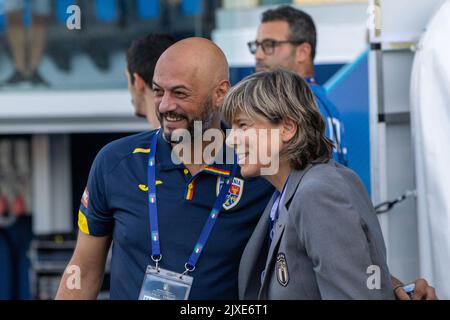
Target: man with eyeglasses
{"type": "Point", "coordinates": [287, 39]}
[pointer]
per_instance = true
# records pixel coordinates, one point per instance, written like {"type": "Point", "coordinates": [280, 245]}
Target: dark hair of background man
{"type": "Point", "coordinates": [144, 53]}
{"type": "Point", "coordinates": [301, 24]}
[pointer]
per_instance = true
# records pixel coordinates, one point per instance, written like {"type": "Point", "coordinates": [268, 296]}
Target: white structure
{"type": "Point", "coordinates": [430, 111]}
{"type": "Point", "coordinates": [400, 25]}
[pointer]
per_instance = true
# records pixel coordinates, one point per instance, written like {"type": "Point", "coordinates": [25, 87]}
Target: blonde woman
{"type": "Point", "coordinates": [319, 237]}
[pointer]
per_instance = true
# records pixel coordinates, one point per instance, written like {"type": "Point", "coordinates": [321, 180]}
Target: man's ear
{"type": "Point", "coordinates": [303, 53]}
{"type": "Point", "coordinates": [288, 130]}
{"type": "Point", "coordinates": [139, 83]}
{"type": "Point", "coordinates": [221, 91]}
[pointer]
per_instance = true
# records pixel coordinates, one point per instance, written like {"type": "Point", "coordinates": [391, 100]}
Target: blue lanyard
{"type": "Point", "coordinates": [153, 211]}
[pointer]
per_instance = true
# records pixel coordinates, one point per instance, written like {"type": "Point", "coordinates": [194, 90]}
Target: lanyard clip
{"type": "Point", "coordinates": [186, 266]}
{"type": "Point", "coordinates": [157, 259]}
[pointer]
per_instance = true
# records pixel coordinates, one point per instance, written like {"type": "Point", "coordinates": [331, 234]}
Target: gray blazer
{"type": "Point", "coordinates": [326, 238]}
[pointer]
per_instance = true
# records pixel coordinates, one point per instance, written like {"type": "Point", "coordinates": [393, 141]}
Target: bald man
{"type": "Point", "coordinates": [178, 224]}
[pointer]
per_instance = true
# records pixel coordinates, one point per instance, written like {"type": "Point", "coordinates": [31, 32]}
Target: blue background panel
{"type": "Point", "coordinates": [191, 7]}
{"type": "Point", "coordinates": [148, 9]}
{"type": "Point", "coordinates": [349, 91]}
{"type": "Point", "coordinates": [106, 10]}
{"type": "Point", "coordinates": [2, 21]}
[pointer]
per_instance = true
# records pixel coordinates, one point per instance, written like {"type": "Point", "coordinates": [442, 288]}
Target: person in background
{"type": "Point", "coordinates": [287, 39]}
{"type": "Point", "coordinates": [27, 44]}
{"type": "Point", "coordinates": [141, 61]}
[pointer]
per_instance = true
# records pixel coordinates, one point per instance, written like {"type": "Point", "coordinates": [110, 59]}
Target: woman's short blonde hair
{"type": "Point", "coordinates": [278, 96]}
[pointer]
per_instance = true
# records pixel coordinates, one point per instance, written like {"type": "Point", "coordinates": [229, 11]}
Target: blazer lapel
{"type": "Point", "coordinates": [293, 182]}
{"type": "Point", "coordinates": [254, 258]}
{"type": "Point", "coordinates": [279, 229]}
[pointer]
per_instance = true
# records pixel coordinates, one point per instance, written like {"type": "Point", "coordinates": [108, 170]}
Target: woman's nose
{"type": "Point", "coordinates": [230, 139]}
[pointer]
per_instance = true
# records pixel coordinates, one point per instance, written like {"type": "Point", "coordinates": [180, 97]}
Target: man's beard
{"type": "Point", "coordinates": [261, 67]}
{"type": "Point", "coordinates": [209, 114]}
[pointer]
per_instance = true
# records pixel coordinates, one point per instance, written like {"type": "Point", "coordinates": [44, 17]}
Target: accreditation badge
{"type": "Point", "coordinates": [160, 284]}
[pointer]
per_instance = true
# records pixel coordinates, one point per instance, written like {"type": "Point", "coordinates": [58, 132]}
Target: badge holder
{"type": "Point", "coordinates": [161, 284]}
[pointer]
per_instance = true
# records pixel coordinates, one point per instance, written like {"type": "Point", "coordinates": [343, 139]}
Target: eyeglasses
{"type": "Point", "coordinates": [268, 46]}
